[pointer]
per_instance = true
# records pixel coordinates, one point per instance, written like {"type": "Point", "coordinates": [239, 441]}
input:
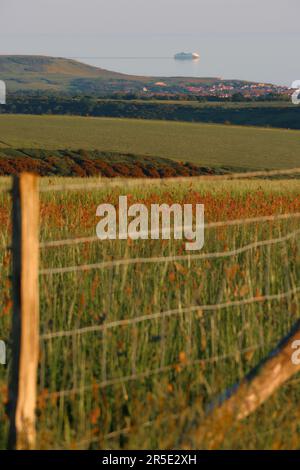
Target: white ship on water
{"type": "Point", "coordinates": [187, 56]}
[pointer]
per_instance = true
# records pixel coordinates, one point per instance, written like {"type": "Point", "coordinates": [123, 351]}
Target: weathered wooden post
{"type": "Point", "coordinates": [243, 399]}
{"type": "Point", "coordinates": [25, 323]}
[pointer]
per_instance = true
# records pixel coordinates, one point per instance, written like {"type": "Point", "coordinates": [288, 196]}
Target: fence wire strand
{"type": "Point", "coordinates": [225, 223]}
{"type": "Point", "coordinates": [128, 429]}
{"type": "Point", "coordinates": [172, 416]}
{"type": "Point", "coordinates": [169, 313]}
{"type": "Point", "coordinates": [139, 376]}
{"type": "Point", "coordinates": [152, 372]}
{"type": "Point", "coordinates": [169, 259]}
{"type": "Point", "coordinates": [165, 181]}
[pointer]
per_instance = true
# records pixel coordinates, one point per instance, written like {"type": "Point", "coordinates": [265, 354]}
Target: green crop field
{"type": "Point", "coordinates": [138, 356]}
{"type": "Point", "coordinates": [204, 144]}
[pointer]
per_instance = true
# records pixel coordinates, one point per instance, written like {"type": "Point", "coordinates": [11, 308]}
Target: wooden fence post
{"type": "Point", "coordinates": [243, 399]}
{"type": "Point", "coordinates": [25, 324]}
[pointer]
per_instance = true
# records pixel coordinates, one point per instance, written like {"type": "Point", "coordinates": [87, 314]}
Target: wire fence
{"type": "Point", "coordinates": [134, 371]}
{"type": "Point", "coordinates": [149, 373]}
{"type": "Point", "coordinates": [166, 419]}
{"type": "Point", "coordinates": [169, 313]}
{"type": "Point", "coordinates": [167, 259]}
{"type": "Point", "coordinates": [149, 323]}
{"type": "Point", "coordinates": [87, 186]}
{"type": "Point", "coordinates": [228, 223]}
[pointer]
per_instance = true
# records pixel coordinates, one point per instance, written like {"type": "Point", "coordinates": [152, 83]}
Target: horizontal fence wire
{"type": "Point", "coordinates": [128, 429]}
{"type": "Point", "coordinates": [222, 223]}
{"type": "Point", "coordinates": [149, 423]}
{"type": "Point", "coordinates": [152, 372]}
{"type": "Point", "coordinates": [169, 313]}
{"type": "Point", "coordinates": [115, 434]}
{"type": "Point", "coordinates": [139, 376]}
{"type": "Point", "coordinates": [168, 259]}
{"type": "Point", "coordinates": [162, 181]}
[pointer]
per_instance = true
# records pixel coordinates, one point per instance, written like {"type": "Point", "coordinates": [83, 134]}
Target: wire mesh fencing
{"type": "Point", "coordinates": [133, 321]}
{"type": "Point", "coordinates": [138, 336]}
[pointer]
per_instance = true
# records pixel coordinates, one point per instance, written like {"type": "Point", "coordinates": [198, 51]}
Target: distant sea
{"type": "Point", "coordinates": [259, 57]}
{"type": "Point", "coordinates": [270, 57]}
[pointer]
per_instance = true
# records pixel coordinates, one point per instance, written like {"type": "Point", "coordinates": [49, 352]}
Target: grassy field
{"type": "Point", "coordinates": [203, 144]}
{"type": "Point", "coordinates": [154, 377]}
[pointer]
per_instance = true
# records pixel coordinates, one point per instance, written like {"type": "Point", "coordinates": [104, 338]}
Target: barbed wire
{"type": "Point", "coordinates": [162, 181]}
{"type": "Point", "coordinates": [152, 372]}
{"type": "Point", "coordinates": [169, 313]}
{"type": "Point", "coordinates": [168, 259]}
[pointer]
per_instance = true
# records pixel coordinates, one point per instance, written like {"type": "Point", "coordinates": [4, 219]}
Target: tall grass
{"type": "Point", "coordinates": [154, 378]}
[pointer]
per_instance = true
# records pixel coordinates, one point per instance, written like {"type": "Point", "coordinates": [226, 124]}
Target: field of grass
{"type": "Point", "coordinates": [154, 377]}
{"type": "Point", "coordinates": [202, 144]}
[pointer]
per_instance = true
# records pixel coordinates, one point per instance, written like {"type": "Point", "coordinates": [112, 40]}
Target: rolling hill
{"type": "Point", "coordinates": [20, 64]}
{"type": "Point", "coordinates": [56, 74]}
{"type": "Point", "coordinates": [23, 73]}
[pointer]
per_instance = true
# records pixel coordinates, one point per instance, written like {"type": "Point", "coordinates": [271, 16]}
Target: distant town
{"type": "Point", "coordinates": [221, 89]}
{"type": "Point", "coordinates": [31, 75]}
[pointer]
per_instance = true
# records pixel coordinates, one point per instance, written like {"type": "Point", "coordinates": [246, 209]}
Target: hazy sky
{"type": "Point", "coordinates": [249, 39]}
{"type": "Point", "coordinates": [151, 16]}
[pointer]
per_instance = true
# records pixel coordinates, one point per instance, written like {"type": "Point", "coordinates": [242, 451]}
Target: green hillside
{"type": "Point", "coordinates": [51, 65]}
{"type": "Point", "coordinates": [202, 144]}
{"type": "Point", "coordinates": [56, 74]}
{"type": "Point", "coordinates": [49, 73]}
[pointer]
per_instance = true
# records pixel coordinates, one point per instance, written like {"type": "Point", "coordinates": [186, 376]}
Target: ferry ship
{"type": "Point", "coordinates": [187, 56]}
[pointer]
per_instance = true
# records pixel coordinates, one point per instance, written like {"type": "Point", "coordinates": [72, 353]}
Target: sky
{"type": "Point", "coordinates": [149, 16]}
{"type": "Point", "coordinates": [253, 39]}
